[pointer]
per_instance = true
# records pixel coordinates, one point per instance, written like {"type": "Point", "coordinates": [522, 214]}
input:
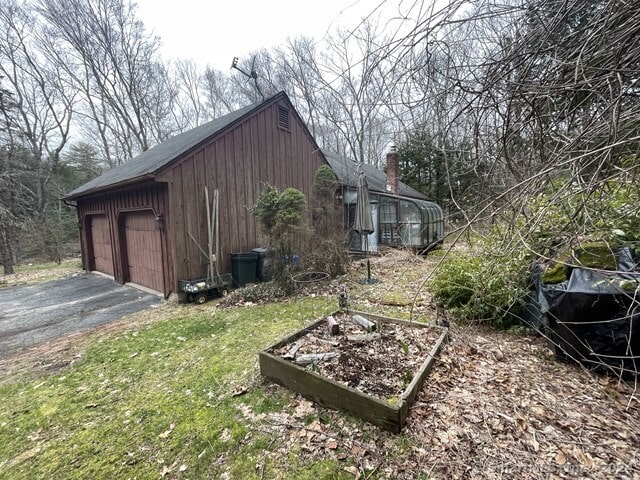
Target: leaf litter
{"type": "Point", "coordinates": [496, 405]}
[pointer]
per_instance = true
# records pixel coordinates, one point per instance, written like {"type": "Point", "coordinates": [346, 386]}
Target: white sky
{"type": "Point", "coordinates": [213, 32]}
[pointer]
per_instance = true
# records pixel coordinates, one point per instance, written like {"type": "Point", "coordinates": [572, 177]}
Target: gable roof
{"type": "Point", "coordinates": [347, 172]}
{"type": "Point", "coordinates": [150, 162]}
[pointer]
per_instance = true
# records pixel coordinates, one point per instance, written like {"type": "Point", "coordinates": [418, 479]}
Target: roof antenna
{"type": "Point", "coordinates": [249, 76]}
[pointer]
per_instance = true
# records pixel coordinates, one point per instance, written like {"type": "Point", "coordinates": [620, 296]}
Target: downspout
{"type": "Point", "coordinates": [161, 226]}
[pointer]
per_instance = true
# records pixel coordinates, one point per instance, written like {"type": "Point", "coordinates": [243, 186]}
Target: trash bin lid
{"type": "Point", "coordinates": [244, 255]}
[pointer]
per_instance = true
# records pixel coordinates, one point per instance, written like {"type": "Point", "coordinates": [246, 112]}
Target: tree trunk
{"type": "Point", "coordinates": [5, 254]}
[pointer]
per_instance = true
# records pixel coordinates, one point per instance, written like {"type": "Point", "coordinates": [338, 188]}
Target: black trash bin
{"type": "Point", "coordinates": [243, 268]}
{"type": "Point", "coordinates": [264, 270]}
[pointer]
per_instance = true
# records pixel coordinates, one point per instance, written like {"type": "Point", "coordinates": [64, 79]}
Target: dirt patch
{"type": "Point", "coordinates": [380, 363]}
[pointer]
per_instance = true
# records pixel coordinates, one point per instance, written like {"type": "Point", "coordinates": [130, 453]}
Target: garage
{"type": "Point", "coordinates": [101, 253]}
{"type": "Point", "coordinates": [168, 182]}
{"type": "Point", "coordinates": [143, 249]}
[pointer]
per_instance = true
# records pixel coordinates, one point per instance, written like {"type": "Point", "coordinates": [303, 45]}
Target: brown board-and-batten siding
{"type": "Point", "coordinates": [239, 162]}
{"type": "Point", "coordinates": [147, 243]}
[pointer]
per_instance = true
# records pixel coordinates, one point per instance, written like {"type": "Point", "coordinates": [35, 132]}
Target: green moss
{"type": "Point", "coordinates": [323, 469]}
{"type": "Point", "coordinates": [596, 255]}
{"type": "Point", "coordinates": [555, 273]}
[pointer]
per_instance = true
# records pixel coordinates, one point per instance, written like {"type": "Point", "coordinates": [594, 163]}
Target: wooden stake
{"type": "Point", "coordinates": [209, 234]}
{"type": "Point", "coordinates": [332, 325]}
{"type": "Point", "coordinates": [216, 198]}
{"type": "Point", "coordinates": [364, 323]}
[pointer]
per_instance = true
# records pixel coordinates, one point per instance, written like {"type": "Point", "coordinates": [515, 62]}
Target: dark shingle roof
{"type": "Point", "coordinates": [154, 159]}
{"type": "Point", "coordinates": [347, 172]}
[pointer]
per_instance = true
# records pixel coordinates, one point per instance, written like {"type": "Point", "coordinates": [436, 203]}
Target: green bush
{"type": "Point", "coordinates": [557, 221]}
{"type": "Point", "coordinates": [565, 224]}
{"type": "Point", "coordinates": [282, 217]}
{"type": "Point", "coordinates": [483, 285]}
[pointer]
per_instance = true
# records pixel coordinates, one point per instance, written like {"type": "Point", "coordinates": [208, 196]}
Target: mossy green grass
{"type": "Point", "coordinates": [160, 400]}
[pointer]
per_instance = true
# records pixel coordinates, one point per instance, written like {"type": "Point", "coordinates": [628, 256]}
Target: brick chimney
{"type": "Point", "coordinates": [393, 165]}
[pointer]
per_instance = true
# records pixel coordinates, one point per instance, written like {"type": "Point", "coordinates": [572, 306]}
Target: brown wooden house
{"type": "Point", "coordinates": [136, 220]}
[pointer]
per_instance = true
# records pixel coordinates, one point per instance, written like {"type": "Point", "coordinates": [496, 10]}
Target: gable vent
{"type": "Point", "coordinates": [283, 117]}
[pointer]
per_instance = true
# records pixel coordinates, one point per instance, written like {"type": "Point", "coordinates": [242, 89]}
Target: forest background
{"type": "Point", "coordinates": [519, 116]}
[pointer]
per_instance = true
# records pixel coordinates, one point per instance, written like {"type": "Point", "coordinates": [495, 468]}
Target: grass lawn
{"type": "Point", "coordinates": [40, 272]}
{"type": "Point", "coordinates": [175, 392]}
{"type": "Point", "coordinates": [160, 400]}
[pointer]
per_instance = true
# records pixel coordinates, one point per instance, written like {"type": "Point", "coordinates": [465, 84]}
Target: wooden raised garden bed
{"type": "Point", "coordinates": [373, 372]}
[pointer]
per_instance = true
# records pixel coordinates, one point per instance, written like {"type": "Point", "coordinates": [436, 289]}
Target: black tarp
{"type": "Point", "coordinates": [594, 316]}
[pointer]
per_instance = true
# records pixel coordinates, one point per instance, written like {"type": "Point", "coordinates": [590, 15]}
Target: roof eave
{"type": "Point", "coordinates": [95, 191]}
{"type": "Point", "coordinates": [401, 197]}
{"type": "Point", "coordinates": [387, 193]}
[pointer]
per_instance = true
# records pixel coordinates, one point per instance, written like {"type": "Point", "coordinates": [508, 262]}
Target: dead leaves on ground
{"type": "Point", "coordinates": [167, 432]}
{"type": "Point", "coordinates": [314, 439]}
{"type": "Point", "coordinates": [495, 406]}
{"type": "Point", "coordinates": [499, 406]}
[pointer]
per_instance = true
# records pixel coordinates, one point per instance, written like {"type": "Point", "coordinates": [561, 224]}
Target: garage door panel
{"type": "Point", "coordinates": [144, 252]}
{"type": "Point", "coordinates": [102, 252]}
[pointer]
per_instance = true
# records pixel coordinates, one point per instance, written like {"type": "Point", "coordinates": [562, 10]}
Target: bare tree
{"type": "Point", "coordinates": [354, 76]}
{"type": "Point", "coordinates": [190, 109]}
{"type": "Point", "coordinates": [298, 60]}
{"type": "Point", "coordinates": [40, 119]}
{"type": "Point", "coordinates": [112, 59]}
{"type": "Point", "coordinates": [221, 93]}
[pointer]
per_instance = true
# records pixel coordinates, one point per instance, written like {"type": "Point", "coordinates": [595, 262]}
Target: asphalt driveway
{"type": "Point", "coordinates": [34, 314]}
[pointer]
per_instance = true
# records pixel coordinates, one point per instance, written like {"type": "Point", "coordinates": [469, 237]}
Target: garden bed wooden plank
{"type": "Point", "coordinates": [411, 392]}
{"type": "Point", "coordinates": [328, 393]}
{"type": "Point", "coordinates": [332, 394]}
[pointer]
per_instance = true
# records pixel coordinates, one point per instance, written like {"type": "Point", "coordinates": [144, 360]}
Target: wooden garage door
{"type": "Point", "coordinates": [102, 260]}
{"type": "Point", "coordinates": [144, 253]}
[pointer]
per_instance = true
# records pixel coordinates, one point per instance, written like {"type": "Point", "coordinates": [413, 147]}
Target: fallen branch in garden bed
{"type": "Point", "coordinates": [364, 323]}
{"type": "Point", "coordinates": [367, 337]}
{"type": "Point", "coordinates": [291, 353]}
{"type": "Point", "coordinates": [332, 325]}
{"type": "Point", "coordinates": [309, 358]}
